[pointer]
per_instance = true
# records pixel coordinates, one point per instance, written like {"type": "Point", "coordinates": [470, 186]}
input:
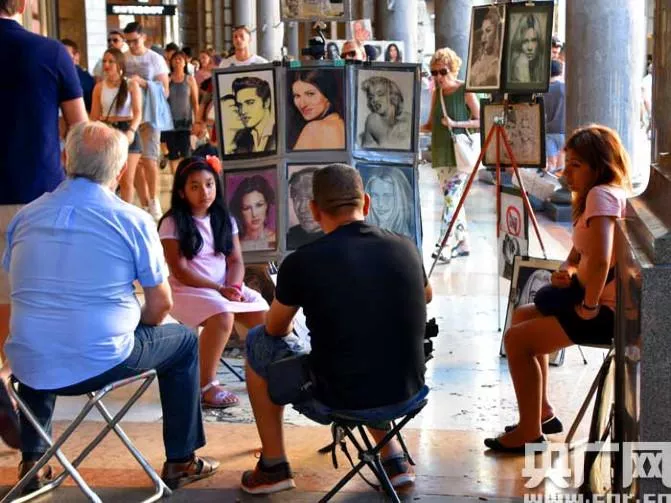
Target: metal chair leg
{"type": "Point", "coordinates": [584, 360]}
{"type": "Point", "coordinates": [231, 369]}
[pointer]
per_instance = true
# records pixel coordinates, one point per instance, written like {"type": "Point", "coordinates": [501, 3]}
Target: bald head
{"type": "Point", "coordinates": [95, 151]}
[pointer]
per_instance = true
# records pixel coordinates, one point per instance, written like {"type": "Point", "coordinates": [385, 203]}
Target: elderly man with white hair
{"type": "Point", "coordinates": [72, 257]}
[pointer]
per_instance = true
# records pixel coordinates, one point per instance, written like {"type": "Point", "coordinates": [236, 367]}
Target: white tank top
{"type": "Point", "coordinates": [107, 97]}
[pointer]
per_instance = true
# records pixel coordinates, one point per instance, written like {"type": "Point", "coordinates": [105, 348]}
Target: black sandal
{"type": "Point", "coordinates": [495, 445]}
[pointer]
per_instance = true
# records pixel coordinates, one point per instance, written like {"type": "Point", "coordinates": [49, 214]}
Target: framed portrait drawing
{"type": "Point", "coordinates": [391, 189]}
{"type": "Point", "coordinates": [525, 130]}
{"type": "Point", "coordinates": [529, 275]}
{"type": "Point", "coordinates": [527, 47]}
{"type": "Point", "coordinates": [316, 109]}
{"type": "Point", "coordinates": [385, 107]}
{"type": "Point", "coordinates": [513, 230]}
{"type": "Point", "coordinates": [315, 10]}
{"type": "Point", "coordinates": [485, 50]}
{"type": "Point", "coordinates": [392, 51]}
{"type": "Point", "coordinates": [246, 111]}
{"type": "Point", "coordinates": [257, 277]}
{"type": "Point", "coordinates": [251, 195]}
{"type": "Point", "coordinates": [302, 227]}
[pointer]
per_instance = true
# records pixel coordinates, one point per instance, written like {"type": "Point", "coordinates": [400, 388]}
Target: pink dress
{"type": "Point", "coordinates": [193, 305]}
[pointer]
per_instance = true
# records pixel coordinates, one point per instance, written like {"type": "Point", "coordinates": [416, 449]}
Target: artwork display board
{"type": "Point", "coordinates": [386, 50]}
{"type": "Point", "coordinates": [513, 230]}
{"type": "Point", "coordinates": [385, 108]}
{"type": "Point", "coordinates": [525, 129]}
{"type": "Point", "coordinates": [510, 48]}
{"type": "Point", "coordinates": [392, 190]}
{"type": "Point", "coordinates": [311, 126]}
{"type": "Point", "coordinates": [315, 10]}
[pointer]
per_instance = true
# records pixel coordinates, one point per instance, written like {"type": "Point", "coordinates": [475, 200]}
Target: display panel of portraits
{"type": "Point", "coordinates": [527, 48]}
{"type": "Point", "coordinates": [525, 129]}
{"type": "Point", "coordinates": [529, 275]}
{"type": "Point", "coordinates": [302, 227]}
{"type": "Point", "coordinates": [247, 112]}
{"type": "Point", "coordinates": [385, 108]}
{"type": "Point", "coordinates": [485, 51]}
{"type": "Point", "coordinates": [389, 51]}
{"type": "Point", "coordinates": [391, 190]}
{"type": "Point", "coordinates": [251, 195]}
{"type": "Point", "coordinates": [513, 230]}
{"type": "Point", "coordinates": [315, 117]}
{"type": "Point", "coordinates": [315, 10]}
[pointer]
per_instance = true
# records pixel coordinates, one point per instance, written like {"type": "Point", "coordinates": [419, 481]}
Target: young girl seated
{"type": "Point", "coordinates": [201, 246]}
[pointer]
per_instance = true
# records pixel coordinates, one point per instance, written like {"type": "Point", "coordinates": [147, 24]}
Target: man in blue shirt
{"type": "Point", "coordinates": [86, 80]}
{"type": "Point", "coordinates": [42, 80]}
{"type": "Point", "coordinates": [72, 257]}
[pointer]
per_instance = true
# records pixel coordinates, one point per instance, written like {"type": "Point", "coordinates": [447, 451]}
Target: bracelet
{"type": "Point", "coordinates": [132, 130]}
{"type": "Point", "coordinates": [237, 286]}
{"type": "Point", "coordinates": [589, 308]}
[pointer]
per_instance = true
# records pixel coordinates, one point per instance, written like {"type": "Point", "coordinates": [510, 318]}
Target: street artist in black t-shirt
{"type": "Point", "coordinates": [363, 292]}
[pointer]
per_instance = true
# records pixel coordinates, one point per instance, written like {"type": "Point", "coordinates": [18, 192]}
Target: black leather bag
{"type": "Point", "coordinates": [291, 380]}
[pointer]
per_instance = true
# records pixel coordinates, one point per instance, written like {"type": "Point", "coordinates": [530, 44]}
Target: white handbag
{"type": "Point", "coordinates": [466, 145]}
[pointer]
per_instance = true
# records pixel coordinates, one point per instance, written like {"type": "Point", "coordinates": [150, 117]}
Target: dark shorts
{"type": "Point", "coordinates": [178, 143]}
{"type": "Point", "coordinates": [598, 330]}
{"type": "Point", "coordinates": [135, 147]}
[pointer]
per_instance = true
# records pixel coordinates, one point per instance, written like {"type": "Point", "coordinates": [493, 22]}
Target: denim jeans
{"type": "Point", "coordinates": [170, 349]}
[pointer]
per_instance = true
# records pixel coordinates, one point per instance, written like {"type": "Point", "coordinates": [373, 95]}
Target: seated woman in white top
{"type": "Point", "coordinates": [579, 306]}
{"type": "Point", "coordinates": [118, 102]}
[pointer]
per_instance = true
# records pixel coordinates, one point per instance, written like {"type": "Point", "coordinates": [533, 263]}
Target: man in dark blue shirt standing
{"type": "Point", "coordinates": [43, 79]}
{"type": "Point", "coordinates": [85, 78]}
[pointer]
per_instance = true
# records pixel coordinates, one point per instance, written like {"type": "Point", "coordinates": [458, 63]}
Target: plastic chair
{"type": "Point", "coordinates": [599, 382]}
{"type": "Point", "coordinates": [343, 426]}
{"type": "Point", "coordinates": [70, 468]}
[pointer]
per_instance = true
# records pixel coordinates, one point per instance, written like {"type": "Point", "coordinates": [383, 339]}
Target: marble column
{"type": "Point", "coordinates": [453, 25]}
{"type": "Point", "coordinates": [604, 57]}
{"type": "Point", "coordinates": [218, 22]}
{"type": "Point", "coordinates": [291, 39]}
{"type": "Point", "coordinates": [268, 29]}
{"type": "Point", "coordinates": [397, 20]}
{"type": "Point", "coordinates": [244, 14]}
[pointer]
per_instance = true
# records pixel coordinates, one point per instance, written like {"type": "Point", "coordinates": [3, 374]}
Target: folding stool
{"type": "Point", "coordinates": [342, 428]}
{"type": "Point", "coordinates": [95, 400]}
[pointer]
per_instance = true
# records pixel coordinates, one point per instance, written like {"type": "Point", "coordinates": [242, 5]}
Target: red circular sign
{"type": "Point", "coordinates": [513, 221]}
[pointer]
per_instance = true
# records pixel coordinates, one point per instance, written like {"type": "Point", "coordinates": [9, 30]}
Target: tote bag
{"type": "Point", "coordinates": [466, 145]}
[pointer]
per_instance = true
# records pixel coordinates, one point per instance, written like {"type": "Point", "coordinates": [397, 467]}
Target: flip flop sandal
{"type": "Point", "coordinates": [457, 251]}
{"type": "Point", "coordinates": [442, 259]}
{"type": "Point", "coordinates": [223, 399]}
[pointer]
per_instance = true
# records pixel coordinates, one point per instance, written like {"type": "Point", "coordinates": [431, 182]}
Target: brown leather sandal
{"type": "Point", "coordinates": [43, 477]}
{"type": "Point", "coordinates": [176, 475]}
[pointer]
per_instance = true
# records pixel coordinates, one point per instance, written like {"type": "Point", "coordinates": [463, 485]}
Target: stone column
{"type": "Point", "coordinates": [244, 13]}
{"type": "Point", "coordinates": [604, 57]}
{"type": "Point", "coordinates": [397, 20]}
{"type": "Point", "coordinates": [268, 29]}
{"type": "Point", "coordinates": [453, 26]}
{"type": "Point", "coordinates": [291, 39]}
{"type": "Point", "coordinates": [218, 22]}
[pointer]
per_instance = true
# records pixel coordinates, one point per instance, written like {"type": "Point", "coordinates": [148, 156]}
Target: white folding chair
{"type": "Point", "coordinates": [112, 423]}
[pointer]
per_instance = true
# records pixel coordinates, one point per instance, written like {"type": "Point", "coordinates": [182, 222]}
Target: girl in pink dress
{"type": "Point", "coordinates": [201, 246]}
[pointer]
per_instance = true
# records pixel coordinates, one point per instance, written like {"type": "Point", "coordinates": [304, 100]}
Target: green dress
{"type": "Point", "coordinates": [442, 148]}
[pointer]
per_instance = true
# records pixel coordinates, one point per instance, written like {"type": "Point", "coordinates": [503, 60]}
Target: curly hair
{"type": "Point", "coordinates": [449, 58]}
{"type": "Point", "coordinates": [254, 183]}
{"type": "Point", "coordinates": [392, 89]}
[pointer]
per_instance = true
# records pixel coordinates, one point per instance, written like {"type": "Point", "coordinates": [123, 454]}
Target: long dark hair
{"type": "Point", "coordinates": [254, 183]}
{"type": "Point", "coordinates": [190, 240]}
{"type": "Point", "coordinates": [329, 83]}
{"type": "Point", "coordinates": [120, 60]}
{"type": "Point", "coordinates": [387, 53]}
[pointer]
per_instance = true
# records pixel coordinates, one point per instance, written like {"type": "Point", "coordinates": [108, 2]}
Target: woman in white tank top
{"type": "Point", "coordinates": [118, 102]}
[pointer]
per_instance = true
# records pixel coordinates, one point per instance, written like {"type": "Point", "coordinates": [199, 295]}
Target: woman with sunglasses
{"type": "Point", "coordinates": [453, 110]}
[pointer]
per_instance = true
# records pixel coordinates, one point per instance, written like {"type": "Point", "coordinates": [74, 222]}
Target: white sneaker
{"type": "Point", "coordinates": [154, 209]}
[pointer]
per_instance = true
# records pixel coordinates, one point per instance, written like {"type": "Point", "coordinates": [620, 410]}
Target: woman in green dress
{"type": "Point", "coordinates": [453, 110]}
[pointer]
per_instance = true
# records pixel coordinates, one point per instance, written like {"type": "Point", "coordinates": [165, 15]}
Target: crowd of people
{"type": "Point", "coordinates": [72, 251]}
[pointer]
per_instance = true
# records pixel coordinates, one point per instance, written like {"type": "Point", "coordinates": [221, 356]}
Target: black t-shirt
{"type": "Point", "coordinates": [362, 291]}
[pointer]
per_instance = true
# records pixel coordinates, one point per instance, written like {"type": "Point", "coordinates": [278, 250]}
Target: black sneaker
{"type": "Point", "coordinates": [399, 471]}
{"type": "Point", "coordinates": [262, 480]}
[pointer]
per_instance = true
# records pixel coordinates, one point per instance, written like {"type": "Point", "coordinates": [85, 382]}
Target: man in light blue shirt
{"type": "Point", "coordinates": [72, 256]}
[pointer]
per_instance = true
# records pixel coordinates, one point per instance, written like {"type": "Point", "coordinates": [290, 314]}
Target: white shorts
{"type": "Point", "coordinates": [7, 212]}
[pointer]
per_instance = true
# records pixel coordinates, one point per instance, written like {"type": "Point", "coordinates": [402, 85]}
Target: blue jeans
{"type": "Point", "coordinates": [170, 349]}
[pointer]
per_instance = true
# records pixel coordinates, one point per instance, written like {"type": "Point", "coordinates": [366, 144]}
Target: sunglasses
{"type": "Point", "coordinates": [349, 54]}
{"type": "Point", "coordinates": [442, 71]}
{"type": "Point", "coordinates": [113, 40]}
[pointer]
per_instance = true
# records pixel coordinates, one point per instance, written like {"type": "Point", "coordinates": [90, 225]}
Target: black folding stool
{"type": "Point", "coordinates": [95, 400]}
{"type": "Point", "coordinates": [342, 428]}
